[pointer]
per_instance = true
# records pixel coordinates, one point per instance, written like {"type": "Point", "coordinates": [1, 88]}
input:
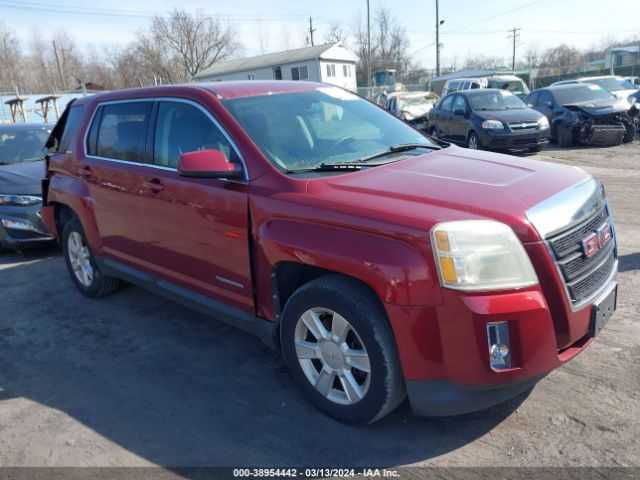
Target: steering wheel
{"type": "Point", "coordinates": [341, 142]}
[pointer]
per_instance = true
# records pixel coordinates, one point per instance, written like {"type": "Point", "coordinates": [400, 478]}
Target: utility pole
{"type": "Point", "coordinates": [515, 34]}
{"type": "Point", "coordinates": [437, 41]}
{"type": "Point", "coordinates": [311, 30]}
{"type": "Point", "coordinates": [368, 47]}
{"type": "Point", "coordinates": [55, 51]}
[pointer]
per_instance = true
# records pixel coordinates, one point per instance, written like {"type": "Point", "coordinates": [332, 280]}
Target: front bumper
{"type": "Point", "coordinates": [22, 227]}
{"type": "Point", "coordinates": [505, 140]}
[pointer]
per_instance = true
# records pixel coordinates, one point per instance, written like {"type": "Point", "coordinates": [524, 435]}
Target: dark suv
{"type": "Point", "coordinates": [380, 263]}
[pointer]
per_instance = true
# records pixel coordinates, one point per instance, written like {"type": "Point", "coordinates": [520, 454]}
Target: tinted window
{"type": "Point", "coordinates": [19, 144]}
{"type": "Point", "coordinates": [454, 85]}
{"type": "Point", "coordinates": [182, 128]}
{"type": "Point", "coordinates": [533, 98]}
{"type": "Point", "coordinates": [446, 103]}
{"type": "Point", "coordinates": [459, 103]}
{"type": "Point", "coordinates": [122, 131]}
{"type": "Point", "coordinates": [66, 126]}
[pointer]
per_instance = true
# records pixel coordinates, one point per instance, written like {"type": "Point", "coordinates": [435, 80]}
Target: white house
{"type": "Point", "coordinates": [330, 63]}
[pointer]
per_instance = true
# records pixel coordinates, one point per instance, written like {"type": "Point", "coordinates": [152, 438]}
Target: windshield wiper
{"type": "Point", "coordinates": [403, 147]}
{"type": "Point", "coordinates": [328, 167]}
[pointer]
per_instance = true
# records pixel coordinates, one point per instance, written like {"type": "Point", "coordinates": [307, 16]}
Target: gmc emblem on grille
{"type": "Point", "coordinates": [597, 240]}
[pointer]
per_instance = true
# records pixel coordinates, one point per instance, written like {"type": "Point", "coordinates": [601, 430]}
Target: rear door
{"type": "Point", "coordinates": [196, 228]}
{"type": "Point", "coordinates": [113, 167]}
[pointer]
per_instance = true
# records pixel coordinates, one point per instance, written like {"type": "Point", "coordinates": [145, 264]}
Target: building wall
{"type": "Point", "coordinates": [316, 73]}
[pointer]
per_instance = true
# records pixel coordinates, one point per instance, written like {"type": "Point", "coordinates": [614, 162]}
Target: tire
{"type": "Point", "coordinates": [565, 137]}
{"type": "Point", "coordinates": [325, 304]}
{"type": "Point", "coordinates": [473, 141]}
{"type": "Point", "coordinates": [81, 264]}
{"type": "Point", "coordinates": [630, 133]}
{"type": "Point", "coordinates": [536, 149]}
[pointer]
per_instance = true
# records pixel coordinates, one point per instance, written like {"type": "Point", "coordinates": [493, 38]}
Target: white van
{"type": "Point", "coordinates": [511, 83]}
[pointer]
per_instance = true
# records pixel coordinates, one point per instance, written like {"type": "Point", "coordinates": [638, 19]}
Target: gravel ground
{"type": "Point", "coordinates": [134, 380]}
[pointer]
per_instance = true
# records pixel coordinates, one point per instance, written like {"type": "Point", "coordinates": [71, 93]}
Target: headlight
{"type": "Point", "coordinates": [492, 124]}
{"type": "Point", "coordinates": [480, 255]}
{"type": "Point", "coordinates": [19, 200]}
{"type": "Point", "coordinates": [543, 123]}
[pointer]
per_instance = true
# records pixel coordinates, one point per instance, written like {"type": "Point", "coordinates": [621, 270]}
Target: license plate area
{"type": "Point", "coordinates": [603, 309]}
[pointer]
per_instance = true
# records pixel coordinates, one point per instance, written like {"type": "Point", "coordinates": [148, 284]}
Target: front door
{"type": "Point", "coordinates": [196, 228]}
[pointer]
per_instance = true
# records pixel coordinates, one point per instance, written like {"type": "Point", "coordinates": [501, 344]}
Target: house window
{"type": "Point", "coordinates": [331, 70]}
{"type": "Point", "coordinates": [346, 70]}
{"type": "Point", "coordinates": [299, 73]}
{"type": "Point", "coordinates": [251, 76]}
{"type": "Point", "coordinates": [277, 73]}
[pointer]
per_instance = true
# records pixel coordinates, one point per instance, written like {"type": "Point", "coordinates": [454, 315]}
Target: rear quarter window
{"type": "Point", "coordinates": [63, 132]}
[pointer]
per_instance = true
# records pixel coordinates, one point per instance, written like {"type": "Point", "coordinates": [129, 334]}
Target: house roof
{"type": "Point", "coordinates": [277, 58]}
{"type": "Point", "coordinates": [628, 49]}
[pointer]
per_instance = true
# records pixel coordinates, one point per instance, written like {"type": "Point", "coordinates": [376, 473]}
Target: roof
{"type": "Point", "coordinates": [470, 74]}
{"type": "Point", "coordinates": [567, 86]}
{"type": "Point", "coordinates": [271, 59]}
{"type": "Point", "coordinates": [628, 49]}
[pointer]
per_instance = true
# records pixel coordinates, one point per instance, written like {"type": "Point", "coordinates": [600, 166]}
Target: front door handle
{"type": "Point", "coordinates": [154, 185]}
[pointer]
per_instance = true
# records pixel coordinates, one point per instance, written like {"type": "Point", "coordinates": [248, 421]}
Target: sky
{"type": "Point", "coordinates": [470, 26]}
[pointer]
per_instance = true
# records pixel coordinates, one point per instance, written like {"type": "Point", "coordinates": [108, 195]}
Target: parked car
{"type": "Point", "coordinates": [618, 86]}
{"type": "Point", "coordinates": [412, 107]}
{"type": "Point", "coordinates": [510, 83]}
{"type": "Point", "coordinates": [488, 118]}
{"type": "Point", "coordinates": [379, 262]}
{"type": "Point", "coordinates": [635, 81]}
{"type": "Point", "coordinates": [584, 113]}
{"type": "Point", "coordinates": [21, 173]}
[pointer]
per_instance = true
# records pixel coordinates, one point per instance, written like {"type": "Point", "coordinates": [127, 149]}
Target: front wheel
{"type": "Point", "coordinates": [339, 348]}
{"type": "Point", "coordinates": [473, 142]}
{"type": "Point", "coordinates": [536, 149]}
{"type": "Point", "coordinates": [81, 265]}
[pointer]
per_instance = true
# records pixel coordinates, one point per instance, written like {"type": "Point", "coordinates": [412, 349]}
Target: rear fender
{"type": "Point", "coordinates": [73, 193]}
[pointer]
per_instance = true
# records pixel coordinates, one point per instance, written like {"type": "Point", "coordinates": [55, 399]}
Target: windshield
{"type": "Point", "coordinates": [581, 93]}
{"type": "Point", "coordinates": [416, 100]}
{"type": "Point", "coordinates": [513, 86]}
{"type": "Point", "coordinates": [500, 100]}
{"type": "Point", "coordinates": [307, 129]}
{"type": "Point", "coordinates": [21, 145]}
{"type": "Point", "coordinates": [611, 83]}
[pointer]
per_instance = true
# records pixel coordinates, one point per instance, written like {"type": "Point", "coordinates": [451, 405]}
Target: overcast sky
{"type": "Point", "coordinates": [471, 26]}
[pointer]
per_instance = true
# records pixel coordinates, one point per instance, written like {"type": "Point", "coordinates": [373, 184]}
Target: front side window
{"type": "Point", "coordinates": [120, 130]}
{"type": "Point", "coordinates": [181, 128]}
{"type": "Point", "coordinates": [446, 103]}
{"type": "Point", "coordinates": [327, 125]}
{"type": "Point", "coordinates": [459, 104]}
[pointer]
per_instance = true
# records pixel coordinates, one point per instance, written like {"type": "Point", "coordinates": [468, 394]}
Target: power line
{"type": "Point", "coordinates": [495, 16]}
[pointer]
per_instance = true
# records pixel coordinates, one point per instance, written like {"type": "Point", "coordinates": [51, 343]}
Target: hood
{"type": "Point", "coordinates": [450, 184]}
{"type": "Point", "coordinates": [411, 112]}
{"type": "Point", "coordinates": [23, 178]}
{"type": "Point", "coordinates": [606, 106]}
{"type": "Point", "coordinates": [515, 115]}
{"type": "Point", "coordinates": [624, 93]}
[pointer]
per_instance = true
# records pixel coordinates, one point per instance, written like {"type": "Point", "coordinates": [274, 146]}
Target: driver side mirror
{"type": "Point", "coordinates": [207, 164]}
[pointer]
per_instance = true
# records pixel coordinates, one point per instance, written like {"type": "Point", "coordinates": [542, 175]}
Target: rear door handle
{"type": "Point", "coordinates": [154, 185]}
{"type": "Point", "coordinates": [85, 172]}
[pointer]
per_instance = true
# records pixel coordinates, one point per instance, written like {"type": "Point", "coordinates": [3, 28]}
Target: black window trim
{"type": "Point", "coordinates": [148, 156]}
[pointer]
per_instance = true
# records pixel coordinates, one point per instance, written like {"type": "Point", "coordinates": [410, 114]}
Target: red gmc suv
{"type": "Point", "coordinates": [381, 263]}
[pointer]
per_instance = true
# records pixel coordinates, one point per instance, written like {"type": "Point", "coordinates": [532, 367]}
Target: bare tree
{"type": "Point", "coordinates": [196, 41]}
{"type": "Point", "coordinates": [483, 62]}
{"type": "Point", "coordinates": [9, 58]}
{"type": "Point", "coordinates": [336, 33]}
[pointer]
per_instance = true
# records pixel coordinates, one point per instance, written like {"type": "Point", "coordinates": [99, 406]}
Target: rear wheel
{"type": "Point", "coordinates": [536, 149]}
{"type": "Point", "coordinates": [473, 142]}
{"type": "Point", "coordinates": [339, 348]}
{"type": "Point", "coordinates": [80, 262]}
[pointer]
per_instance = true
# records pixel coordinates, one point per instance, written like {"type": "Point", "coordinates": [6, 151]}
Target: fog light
{"type": "Point", "coordinates": [499, 346]}
{"type": "Point", "coordinates": [18, 225]}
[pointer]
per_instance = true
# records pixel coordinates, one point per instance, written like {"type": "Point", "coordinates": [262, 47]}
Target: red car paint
{"type": "Point", "coordinates": [378, 220]}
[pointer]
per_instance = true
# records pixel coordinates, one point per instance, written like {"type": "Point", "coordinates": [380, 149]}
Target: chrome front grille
{"type": "Point", "coordinates": [523, 125]}
{"type": "Point", "coordinates": [584, 275]}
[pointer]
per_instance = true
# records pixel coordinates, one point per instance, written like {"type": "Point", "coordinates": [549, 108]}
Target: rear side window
{"type": "Point", "coordinates": [119, 131]}
{"type": "Point", "coordinates": [61, 135]}
{"type": "Point", "coordinates": [182, 128]}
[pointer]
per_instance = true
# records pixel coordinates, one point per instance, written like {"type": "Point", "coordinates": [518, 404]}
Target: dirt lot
{"type": "Point", "coordinates": [133, 380]}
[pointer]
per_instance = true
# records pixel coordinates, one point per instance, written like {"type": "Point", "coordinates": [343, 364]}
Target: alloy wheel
{"type": "Point", "coordinates": [80, 259]}
{"type": "Point", "coordinates": [332, 356]}
{"type": "Point", "coordinates": [473, 142]}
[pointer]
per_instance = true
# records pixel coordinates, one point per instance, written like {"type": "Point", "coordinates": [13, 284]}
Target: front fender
{"type": "Point", "coordinates": [73, 193]}
{"type": "Point", "coordinates": [396, 271]}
